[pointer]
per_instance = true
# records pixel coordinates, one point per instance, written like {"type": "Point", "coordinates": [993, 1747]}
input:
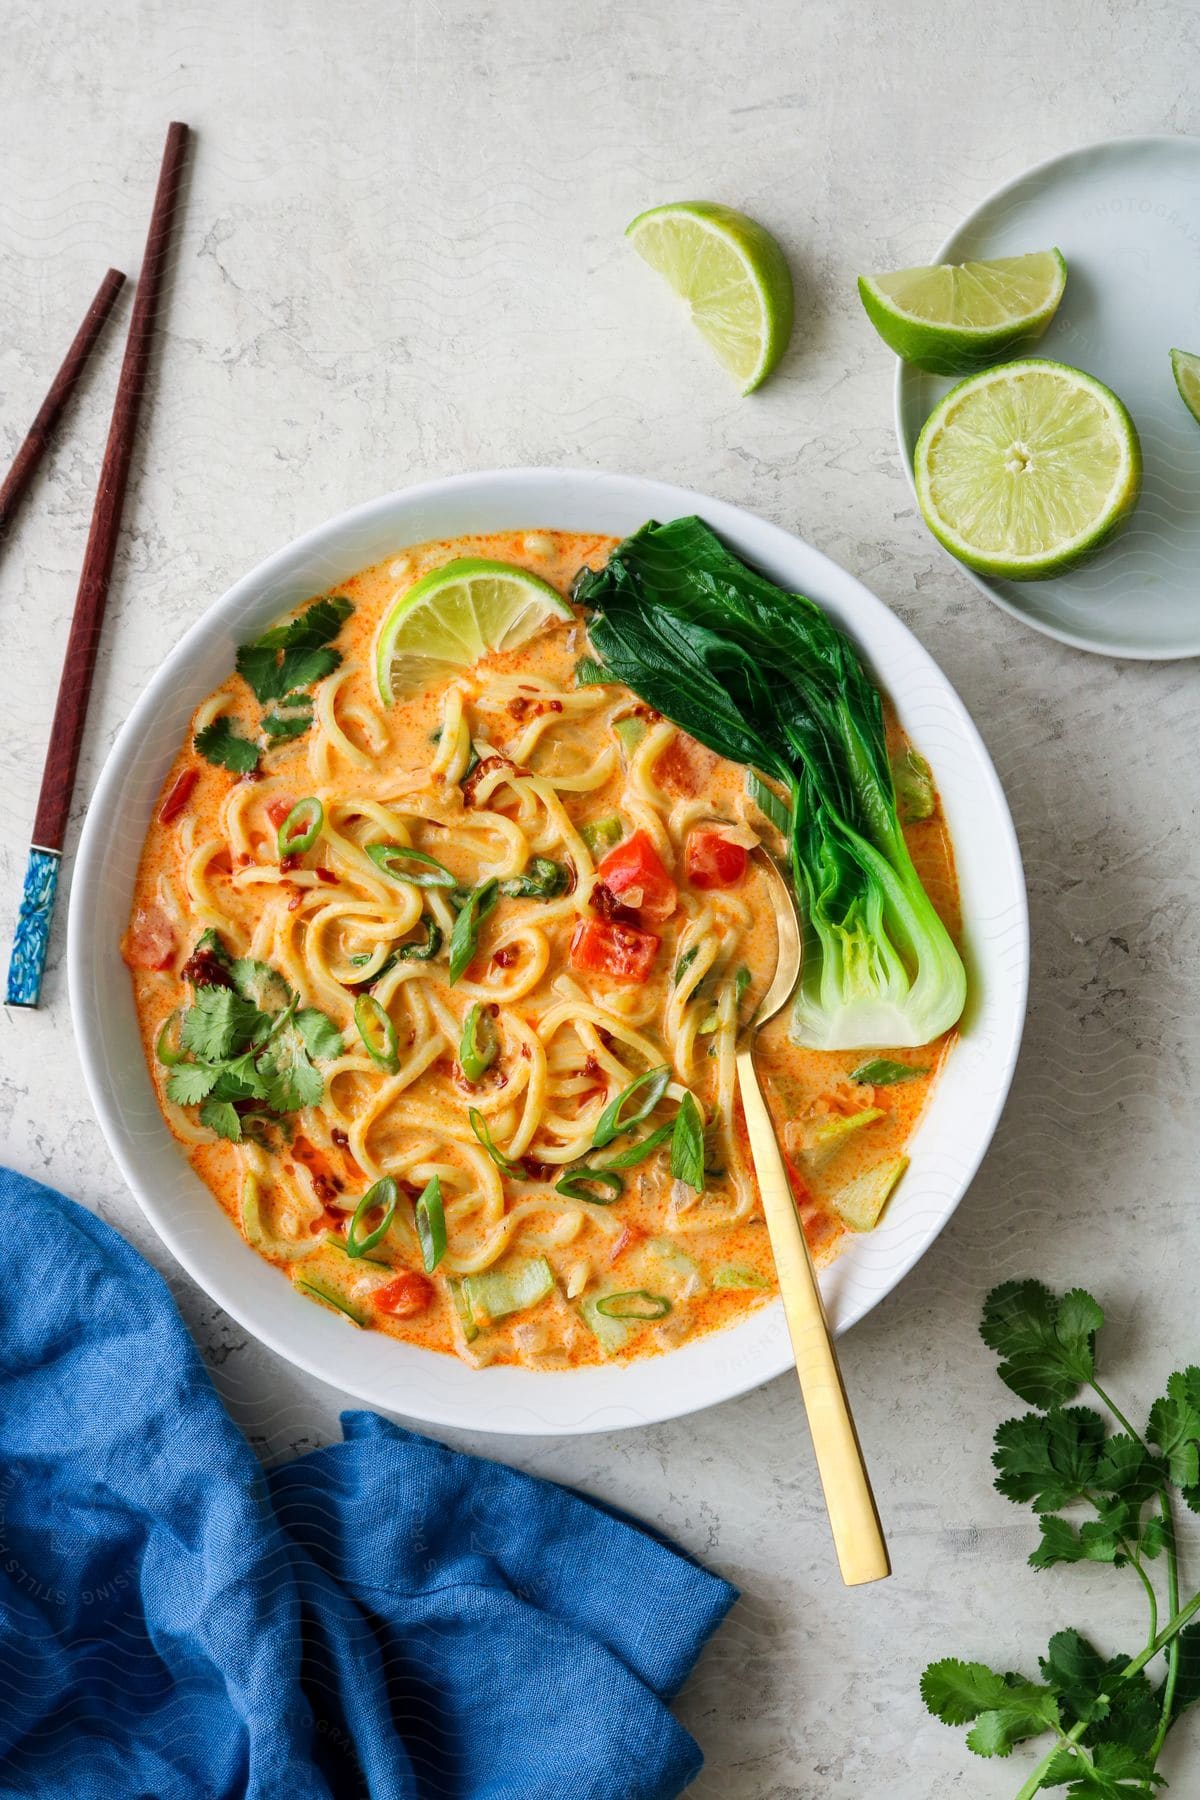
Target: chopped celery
{"type": "Point", "coordinates": [832, 1133]}
{"type": "Point", "coordinates": [631, 731]}
{"type": "Point", "coordinates": [462, 1306]}
{"type": "Point", "coordinates": [611, 1334]}
{"type": "Point", "coordinates": [602, 835]}
{"type": "Point", "coordinates": [497, 1292]}
{"type": "Point", "coordinates": [738, 1275]}
{"type": "Point", "coordinates": [318, 1287]}
{"type": "Point", "coordinates": [912, 779]}
{"type": "Point", "coordinates": [859, 1202]}
{"type": "Point", "coordinates": [680, 1271]}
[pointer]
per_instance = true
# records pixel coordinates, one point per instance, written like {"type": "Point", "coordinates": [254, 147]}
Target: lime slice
{"type": "Point", "coordinates": [453, 616]}
{"type": "Point", "coordinates": [1187, 379]}
{"type": "Point", "coordinates": [1023, 470]}
{"type": "Point", "coordinates": [956, 317]}
{"type": "Point", "coordinates": [733, 276]}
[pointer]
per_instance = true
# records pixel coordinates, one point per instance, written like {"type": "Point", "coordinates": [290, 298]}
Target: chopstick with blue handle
{"type": "Point", "coordinates": [79, 665]}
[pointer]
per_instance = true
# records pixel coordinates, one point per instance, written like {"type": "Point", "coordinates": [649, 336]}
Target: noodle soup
{"type": "Point", "coordinates": [441, 999]}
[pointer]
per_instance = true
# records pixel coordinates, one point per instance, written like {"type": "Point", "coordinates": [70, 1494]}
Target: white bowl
{"type": "Point", "coordinates": [947, 1148]}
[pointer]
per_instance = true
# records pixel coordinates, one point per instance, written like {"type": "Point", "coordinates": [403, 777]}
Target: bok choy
{"type": "Point", "coordinates": [767, 679]}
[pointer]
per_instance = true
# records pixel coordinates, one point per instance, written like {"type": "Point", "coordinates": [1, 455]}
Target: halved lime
{"type": "Point", "coordinates": [1187, 379]}
{"type": "Point", "coordinates": [453, 616]}
{"type": "Point", "coordinates": [733, 276]}
{"type": "Point", "coordinates": [1025, 469]}
{"type": "Point", "coordinates": [956, 317]}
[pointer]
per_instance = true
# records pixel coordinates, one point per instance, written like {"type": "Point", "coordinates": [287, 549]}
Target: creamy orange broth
{"type": "Point", "coordinates": [192, 874]}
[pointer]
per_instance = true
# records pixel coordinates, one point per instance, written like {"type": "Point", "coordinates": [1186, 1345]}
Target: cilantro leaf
{"type": "Point", "coordinates": [957, 1692]}
{"type": "Point", "coordinates": [1027, 1712]}
{"type": "Point", "coordinates": [1006, 1708]}
{"type": "Point", "coordinates": [219, 743]}
{"type": "Point", "coordinates": [259, 983]}
{"type": "Point", "coordinates": [1048, 1344]}
{"type": "Point", "coordinates": [282, 726]}
{"type": "Point", "coordinates": [1187, 1680]}
{"type": "Point", "coordinates": [239, 1079]}
{"type": "Point", "coordinates": [190, 1083]}
{"type": "Point", "coordinates": [1135, 1709]}
{"type": "Point", "coordinates": [321, 1036]}
{"type": "Point", "coordinates": [296, 654]}
{"type": "Point", "coordinates": [216, 1022]}
{"type": "Point", "coordinates": [1048, 1458]}
{"type": "Point", "coordinates": [1079, 1675]}
{"type": "Point", "coordinates": [221, 1116]}
{"type": "Point", "coordinates": [292, 1081]}
{"type": "Point", "coordinates": [1106, 1772]}
{"type": "Point", "coordinates": [1175, 1426]}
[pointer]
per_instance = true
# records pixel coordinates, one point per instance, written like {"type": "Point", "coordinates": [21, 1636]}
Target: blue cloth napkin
{"type": "Point", "coordinates": [382, 1617]}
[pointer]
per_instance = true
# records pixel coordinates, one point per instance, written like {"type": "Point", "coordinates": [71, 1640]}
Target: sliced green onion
{"type": "Point", "coordinates": [579, 1185]}
{"type": "Point", "coordinates": [421, 952]}
{"type": "Point", "coordinates": [636, 1304]}
{"type": "Point", "coordinates": [383, 1192]}
{"type": "Point", "coordinates": [882, 1072]}
{"type": "Point", "coordinates": [601, 835]}
{"type": "Point", "coordinates": [631, 731]}
{"type": "Point", "coordinates": [465, 936]}
{"type": "Point", "coordinates": [768, 803]}
{"type": "Point", "coordinates": [431, 1224]}
{"type": "Point", "coordinates": [687, 1144]}
{"type": "Point", "coordinates": [638, 1152]}
{"type": "Point", "coordinates": [614, 1119]}
{"type": "Point", "coordinates": [302, 827]}
{"type": "Point", "coordinates": [479, 1126]}
{"type": "Point", "coordinates": [403, 863]}
{"type": "Point", "coordinates": [170, 1055]}
{"type": "Point", "coordinates": [377, 1032]}
{"type": "Point", "coordinates": [542, 880]}
{"type": "Point", "coordinates": [478, 1046]}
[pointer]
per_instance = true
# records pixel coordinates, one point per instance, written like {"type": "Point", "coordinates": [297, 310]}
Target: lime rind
{"type": "Point", "coordinates": [1186, 369]}
{"type": "Point", "coordinates": [1025, 470]}
{"type": "Point", "coordinates": [955, 318]}
{"type": "Point", "coordinates": [733, 276]}
{"type": "Point", "coordinates": [456, 614]}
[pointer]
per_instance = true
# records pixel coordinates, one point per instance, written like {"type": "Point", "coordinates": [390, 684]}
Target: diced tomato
{"type": "Point", "coordinates": [633, 871]}
{"type": "Point", "coordinates": [151, 940]}
{"type": "Point", "coordinates": [408, 1295]}
{"type": "Point", "coordinates": [712, 861]}
{"type": "Point", "coordinates": [177, 799]}
{"type": "Point", "coordinates": [278, 810]}
{"type": "Point", "coordinates": [610, 947]}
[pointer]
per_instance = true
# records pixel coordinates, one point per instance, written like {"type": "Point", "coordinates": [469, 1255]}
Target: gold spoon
{"type": "Point", "coordinates": [857, 1536]}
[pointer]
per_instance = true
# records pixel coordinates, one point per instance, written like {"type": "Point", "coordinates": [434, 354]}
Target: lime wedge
{"type": "Point", "coordinates": [733, 276]}
{"type": "Point", "coordinates": [956, 317]}
{"type": "Point", "coordinates": [1187, 379]}
{"type": "Point", "coordinates": [453, 616]}
{"type": "Point", "coordinates": [1024, 470]}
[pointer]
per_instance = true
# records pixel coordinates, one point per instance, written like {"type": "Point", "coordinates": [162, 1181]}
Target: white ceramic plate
{"type": "Point", "coordinates": [1125, 216]}
{"type": "Point", "coordinates": [375, 1368]}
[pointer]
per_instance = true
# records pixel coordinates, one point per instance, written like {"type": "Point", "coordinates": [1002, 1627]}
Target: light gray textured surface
{"type": "Point", "coordinates": [402, 256]}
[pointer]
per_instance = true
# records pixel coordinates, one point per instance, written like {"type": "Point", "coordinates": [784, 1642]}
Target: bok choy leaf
{"type": "Point", "coordinates": [767, 679]}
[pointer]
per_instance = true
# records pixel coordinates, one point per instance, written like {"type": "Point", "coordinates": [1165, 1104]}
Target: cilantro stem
{"type": "Point", "coordinates": [1151, 1596]}
{"type": "Point", "coordinates": [1034, 1784]}
{"type": "Point", "coordinates": [1117, 1414]}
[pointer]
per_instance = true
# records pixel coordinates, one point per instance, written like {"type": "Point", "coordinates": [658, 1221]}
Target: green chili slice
{"type": "Point", "coordinates": [479, 1126]}
{"type": "Point", "coordinates": [638, 1152]}
{"type": "Point", "coordinates": [601, 835]}
{"type": "Point", "coordinates": [542, 880]}
{"type": "Point", "coordinates": [383, 1192]}
{"type": "Point", "coordinates": [636, 1304]}
{"type": "Point", "coordinates": [377, 1032]}
{"type": "Point", "coordinates": [431, 1224]}
{"type": "Point", "coordinates": [169, 1054]}
{"type": "Point", "coordinates": [416, 951]}
{"type": "Point", "coordinates": [579, 1185]}
{"type": "Point", "coordinates": [687, 1144]}
{"type": "Point", "coordinates": [478, 1046]}
{"type": "Point", "coordinates": [465, 936]}
{"type": "Point", "coordinates": [302, 827]}
{"type": "Point", "coordinates": [614, 1119]}
{"type": "Point", "coordinates": [403, 863]}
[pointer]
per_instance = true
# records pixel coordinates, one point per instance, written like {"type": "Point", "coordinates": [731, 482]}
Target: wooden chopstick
{"type": "Point", "coordinates": [79, 664]}
{"type": "Point", "coordinates": [61, 388]}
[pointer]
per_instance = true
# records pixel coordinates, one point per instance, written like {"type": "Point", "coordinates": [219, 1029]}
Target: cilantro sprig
{"type": "Point", "coordinates": [281, 667]}
{"type": "Point", "coordinates": [1108, 1717]}
{"type": "Point", "coordinates": [251, 1050]}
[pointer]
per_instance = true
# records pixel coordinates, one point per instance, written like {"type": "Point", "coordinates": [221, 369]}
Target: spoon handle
{"type": "Point", "coordinates": [858, 1538]}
